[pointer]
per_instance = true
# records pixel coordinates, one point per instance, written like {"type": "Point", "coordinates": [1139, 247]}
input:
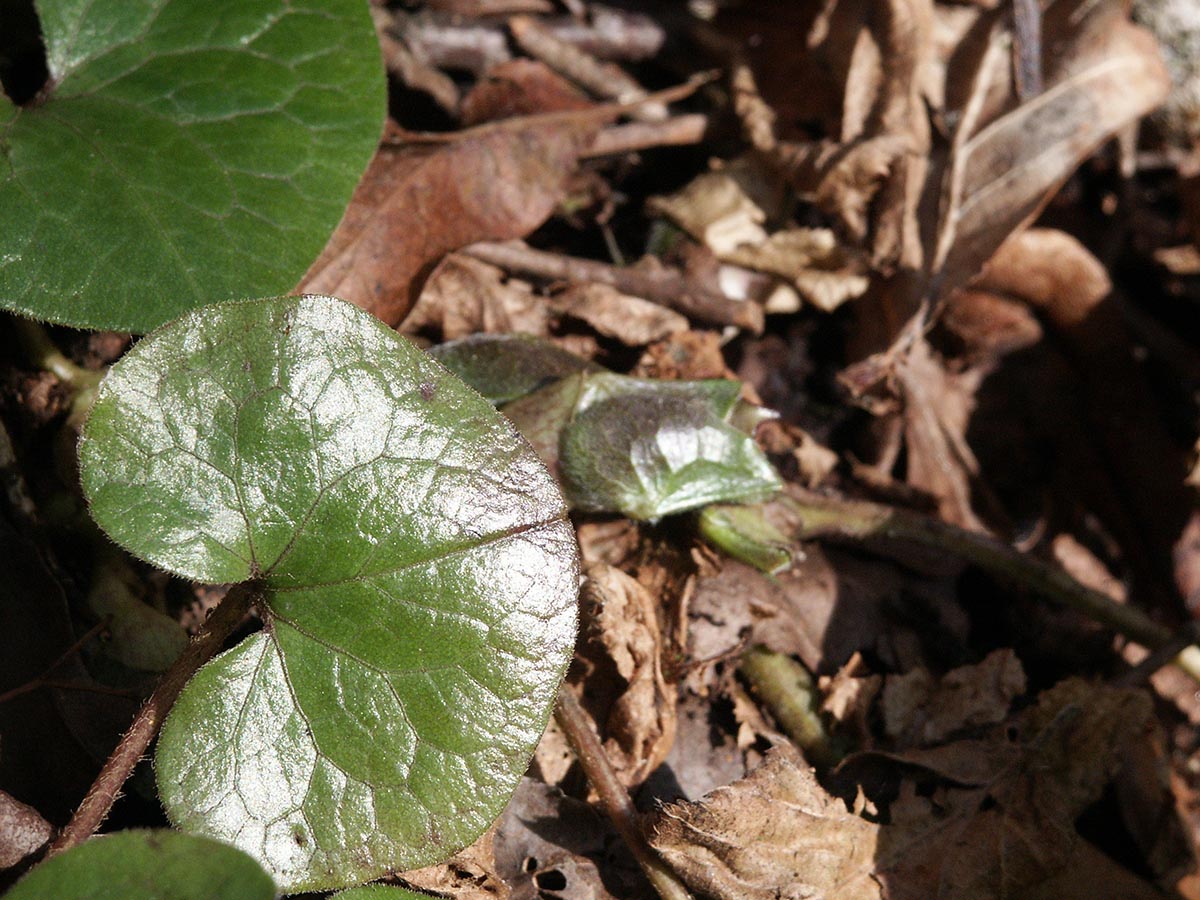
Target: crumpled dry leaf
{"type": "Point", "coordinates": [1105, 74]}
{"type": "Point", "coordinates": [22, 831]}
{"type": "Point", "coordinates": [718, 211]}
{"type": "Point", "coordinates": [920, 710]}
{"type": "Point", "coordinates": [937, 410]}
{"type": "Point", "coordinates": [418, 202]}
{"type": "Point", "coordinates": [468, 875]}
{"type": "Point", "coordinates": [1008, 824]}
{"type": "Point", "coordinates": [849, 698]}
{"type": "Point", "coordinates": [811, 259]}
{"type": "Point", "coordinates": [623, 646]}
{"type": "Point", "coordinates": [822, 609]}
{"type": "Point", "coordinates": [631, 320]}
{"type": "Point", "coordinates": [715, 209]}
{"type": "Point", "coordinates": [464, 296]}
{"type": "Point", "coordinates": [776, 834]}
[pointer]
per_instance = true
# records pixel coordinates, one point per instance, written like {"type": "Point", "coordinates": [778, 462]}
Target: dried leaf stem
{"type": "Point", "coordinates": [664, 286]}
{"type": "Point", "coordinates": [132, 746]}
{"type": "Point", "coordinates": [817, 516]}
{"type": "Point", "coordinates": [581, 734]}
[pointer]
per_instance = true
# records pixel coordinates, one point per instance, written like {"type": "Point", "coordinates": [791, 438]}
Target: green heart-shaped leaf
{"type": "Point", "coordinates": [418, 572]}
{"type": "Point", "coordinates": [184, 149]}
{"type": "Point", "coordinates": [379, 892]}
{"type": "Point", "coordinates": [147, 865]}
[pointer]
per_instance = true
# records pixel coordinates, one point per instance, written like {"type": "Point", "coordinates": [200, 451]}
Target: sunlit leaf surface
{"type": "Point", "coordinates": [418, 570]}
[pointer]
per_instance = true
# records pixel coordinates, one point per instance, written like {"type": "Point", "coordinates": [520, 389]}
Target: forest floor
{"type": "Point", "coordinates": [954, 246]}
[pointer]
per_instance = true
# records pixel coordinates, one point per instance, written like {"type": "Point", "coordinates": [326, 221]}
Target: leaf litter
{"type": "Point", "coordinates": [966, 300]}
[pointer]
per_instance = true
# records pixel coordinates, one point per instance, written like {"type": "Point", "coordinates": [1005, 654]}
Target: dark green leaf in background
{"type": "Point", "coordinates": [504, 367]}
{"type": "Point", "coordinates": [419, 575]}
{"type": "Point", "coordinates": [186, 151]}
{"type": "Point", "coordinates": [147, 865]}
{"type": "Point", "coordinates": [638, 447]}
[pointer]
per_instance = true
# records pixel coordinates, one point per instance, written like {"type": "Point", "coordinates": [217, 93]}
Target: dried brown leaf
{"type": "Point", "coordinates": [465, 296]}
{"type": "Point", "coordinates": [520, 87]}
{"type": "Point", "coordinates": [468, 875]}
{"type": "Point", "coordinates": [550, 845]}
{"type": "Point", "coordinates": [849, 698]}
{"type": "Point", "coordinates": [775, 834]}
{"type": "Point", "coordinates": [937, 410]}
{"type": "Point", "coordinates": [920, 710]}
{"type": "Point", "coordinates": [631, 320]}
{"type": "Point", "coordinates": [822, 609]}
{"type": "Point", "coordinates": [625, 689]}
{"type": "Point", "coordinates": [1001, 177]}
{"type": "Point", "coordinates": [811, 259]}
{"type": "Point", "coordinates": [715, 209]}
{"type": "Point", "coordinates": [418, 202]}
{"type": "Point", "coordinates": [1016, 829]}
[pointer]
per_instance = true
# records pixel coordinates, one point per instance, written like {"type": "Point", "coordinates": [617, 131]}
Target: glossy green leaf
{"type": "Point", "coordinates": [504, 367]}
{"type": "Point", "coordinates": [648, 449]}
{"type": "Point", "coordinates": [147, 865]}
{"type": "Point", "coordinates": [419, 576]}
{"type": "Point", "coordinates": [185, 149]}
{"type": "Point", "coordinates": [642, 448]}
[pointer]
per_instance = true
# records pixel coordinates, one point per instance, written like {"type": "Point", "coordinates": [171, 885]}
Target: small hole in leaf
{"type": "Point", "coordinates": [23, 69]}
{"type": "Point", "coordinates": [550, 880]}
{"type": "Point", "coordinates": [530, 864]}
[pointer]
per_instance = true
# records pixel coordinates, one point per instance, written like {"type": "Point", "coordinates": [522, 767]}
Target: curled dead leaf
{"type": "Point", "coordinates": [921, 710]}
{"type": "Point", "coordinates": [624, 647]}
{"type": "Point", "coordinates": [631, 320]}
{"type": "Point", "coordinates": [775, 834]}
{"type": "Point", "coordinates": [464, 296]}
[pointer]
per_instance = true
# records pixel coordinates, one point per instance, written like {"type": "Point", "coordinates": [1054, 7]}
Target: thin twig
{"type": "Point", "coordinates": [819, 516]}
{"type": "Point", "coordinates": [604, 80]}
{"type": "Point", "coordinates": [415, 73]}
{"type": "Point", "coordinates": [577, 726]}
{"type": "Point", "coordinates": [673, 132]}
{"type": "Point", "coordinates": [665, 286]}
{"type": "Point", "coordinates": [120, 764]}
{"type": "Point", "coordinates": [1160, 657]}
{"type": "Point", "coordinates": [1027, 48]}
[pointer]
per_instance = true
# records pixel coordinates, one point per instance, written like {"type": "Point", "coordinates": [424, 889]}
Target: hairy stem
{"type": "Point", "coordinates": [816, 516]}
{"type": "Point", "coordinates": [120, 764]}
{"type": "Point", "coordinates": [578, 727]}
